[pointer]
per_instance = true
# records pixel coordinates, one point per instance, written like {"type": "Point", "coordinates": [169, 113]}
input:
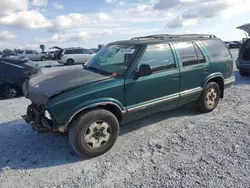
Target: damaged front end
{"type": "Point", "coordinates": [39, 119]}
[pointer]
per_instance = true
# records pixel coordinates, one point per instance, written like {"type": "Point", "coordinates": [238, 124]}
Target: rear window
{"type": "Point", "coordinates": [217, 50]}
{"type": "Point", "coordinates": [68, 52]}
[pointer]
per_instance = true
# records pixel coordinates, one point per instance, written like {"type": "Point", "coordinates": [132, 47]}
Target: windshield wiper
{"type": "Point", "coordinates": [100, 71]}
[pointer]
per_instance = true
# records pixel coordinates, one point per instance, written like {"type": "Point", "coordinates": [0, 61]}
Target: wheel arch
{"type": "Point", "coordinates": [110, 106]}
{"type": "Point", "coordinates": [217, 78]}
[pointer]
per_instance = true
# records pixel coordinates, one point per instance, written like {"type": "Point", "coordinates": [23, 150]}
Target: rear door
{"type": "Point", "coordinates": [77, 55]}
{"type": "Point", "coordinates": [194, 68]}
{"type": "Point", "coordinates": [159, 91]}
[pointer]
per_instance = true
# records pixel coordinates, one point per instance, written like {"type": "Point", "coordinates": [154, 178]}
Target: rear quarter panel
{"type": "Point", "coordinates": [221, 64]}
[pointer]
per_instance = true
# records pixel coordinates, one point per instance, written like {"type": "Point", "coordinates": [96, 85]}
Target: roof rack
{"type": "Point", "coordinates": [167, 36]}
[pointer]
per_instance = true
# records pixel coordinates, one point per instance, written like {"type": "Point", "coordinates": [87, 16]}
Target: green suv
{"type": "Point", "coordinates": [125, 81]}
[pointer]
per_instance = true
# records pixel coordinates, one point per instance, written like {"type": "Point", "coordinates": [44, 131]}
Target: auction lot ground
{"type": "Point", "coordinates": [181, 148]}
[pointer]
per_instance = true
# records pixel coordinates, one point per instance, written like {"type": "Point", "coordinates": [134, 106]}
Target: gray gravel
{"type": "Point", "coordinates": [181, 148]}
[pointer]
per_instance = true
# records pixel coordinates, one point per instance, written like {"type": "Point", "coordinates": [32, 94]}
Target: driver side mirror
{"type": "Point", "coordinates": [144, 70]}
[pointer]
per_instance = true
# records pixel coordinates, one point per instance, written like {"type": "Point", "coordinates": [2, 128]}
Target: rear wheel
{"type": "Point", "coordinates": [11, 91]}
{"type": "Point", "coordinates": [94, 132]}
{"type": "Point", "coordinates": [210, 97]}
{"type": "Point", "coordinates": [70, 62]}
{"type": "Point", "coordinates": [243, 73]}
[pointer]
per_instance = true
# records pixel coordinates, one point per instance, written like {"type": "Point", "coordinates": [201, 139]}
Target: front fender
{"type": "Point", "coordinates": [67, 115]}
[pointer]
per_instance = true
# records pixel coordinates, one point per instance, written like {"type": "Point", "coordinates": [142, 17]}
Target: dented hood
{"type": "Point", "coordinates": [39, 89]}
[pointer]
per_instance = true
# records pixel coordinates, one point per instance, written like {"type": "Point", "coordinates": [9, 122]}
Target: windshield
{"type": "Point", "coordinates": [113, 59]}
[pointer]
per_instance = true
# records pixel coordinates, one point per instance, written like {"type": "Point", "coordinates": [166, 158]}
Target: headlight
{"type": "Point", "coordinates": [47, 115]}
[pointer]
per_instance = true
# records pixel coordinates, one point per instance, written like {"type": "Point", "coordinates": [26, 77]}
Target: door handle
{"type": "Point", "coordinates": [176, 76]}
{"type": "Point", "coordinates": [205, 70]}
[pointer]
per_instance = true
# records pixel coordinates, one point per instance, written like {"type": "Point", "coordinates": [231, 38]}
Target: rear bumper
{"type": "Point", "coordinates": [229, 82]}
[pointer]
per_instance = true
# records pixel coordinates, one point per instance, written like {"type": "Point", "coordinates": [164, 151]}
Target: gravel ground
{"type": "Point", "coordinates": [180, 148]}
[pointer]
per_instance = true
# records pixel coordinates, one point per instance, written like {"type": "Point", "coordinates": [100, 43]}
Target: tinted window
{"type": "Point", "coordinates": [187, 53]}
{"type": "Point", "coordinates": [200, 55]}
{"type": "Point", "coordinates": [77, 51]}
{"type": "Point", "coordinates": [68, 52]}
{"type": "Point", "coordinates": [34, 52]}
{"type": "Point", "coordinates": [29, 52]}
{"type": "Point", "coordinates": [159, 57]}
{"type": "Point", "coordinates": [217, 50]}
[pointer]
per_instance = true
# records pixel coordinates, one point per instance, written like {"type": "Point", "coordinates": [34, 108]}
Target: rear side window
{"type": "Point", "coordinates": [217, 50]}
{"type": "Point", "coordinates": [159, 57]}
{"type": "Point", "coordinates": [200, 55]}
{"type": "Point", "coordinates": [187, 53]}
{"type": "Point", "coordinates": [77, 51]}
{"type": "Point", "coordinates": [68, 52]}
{"type": "Point", "coordinates": [85, 51]}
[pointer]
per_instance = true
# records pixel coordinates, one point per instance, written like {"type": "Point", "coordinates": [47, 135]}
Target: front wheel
{"type": "Point", "coordinates": [94, 132]}
{"type": "Point", "coordinates": [210, 97]}
{"type": "Point", "coordinates": [243, 73]}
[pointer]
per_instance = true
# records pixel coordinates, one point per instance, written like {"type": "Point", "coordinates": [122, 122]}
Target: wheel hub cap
{"type": "Point", "coordinates": [98, 134]}
{"type": "Point", "coordinates": [211, 97]}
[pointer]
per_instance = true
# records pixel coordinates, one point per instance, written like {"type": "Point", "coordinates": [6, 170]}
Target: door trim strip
{"type": "Point", "coordinates": [165, 99]}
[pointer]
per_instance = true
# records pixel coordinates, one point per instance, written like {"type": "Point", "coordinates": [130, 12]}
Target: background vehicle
{"type": "Point", "coordinates": [239, 43]}
{"type": "Point", "coordinates": [33, 55]}
{"type": "Point", "coordinates": [13, 73]}
{"type": "Point", "coordinates": [127, 80]}
{"type": "Point", "coordinates": [243, 60]}
{"type": "Point", "coordinates": [72, 56]}
{"type": "Point", "coordinates": [231, 44]}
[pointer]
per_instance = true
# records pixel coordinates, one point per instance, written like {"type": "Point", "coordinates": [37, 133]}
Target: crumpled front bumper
{"type": "Point", "coordinates": [35, 117]}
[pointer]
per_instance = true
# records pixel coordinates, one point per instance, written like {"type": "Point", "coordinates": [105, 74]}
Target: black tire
{"type": "Point", "coordinates": [81, 125]}
{"type": "Point", "coordinates": [207, 102]}
{"type": "Point", "coordinates": [243, 73]}
{"type": "Point", "coordinates": [43, 59]}
{"type": "Point", "coordinates": [70, 62]}
{"type": "Point", "coordinates": [11, 91]}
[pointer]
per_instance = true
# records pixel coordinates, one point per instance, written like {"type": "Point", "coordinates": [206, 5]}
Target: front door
{"type": "Point", "coordinates": [194, 67]}
{"type": "Point", "coordinates": [159, 91]}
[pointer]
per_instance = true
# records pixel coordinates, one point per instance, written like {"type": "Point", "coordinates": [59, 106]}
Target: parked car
{"type": "Point", "coordinates": [238, 43]}
{"type": "Point", "coordinates": [243, 60]}
{"type": "Point", "coordinates": [227, 44]}
{"type": "Point", "coordinates": [72, 56]}
{"type": "Point", "coordinates": [127, 80]}
{"type": "Point", "coordinates": [33, 55]}
{"type": "Point", "coordinates": [13, 73]}
{"type": "Point", "coordinates": [231, 44]}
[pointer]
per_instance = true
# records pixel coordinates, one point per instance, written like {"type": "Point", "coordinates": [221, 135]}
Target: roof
{"type": "Point", "coordinates": [245, 27]}
{"type": "Point", "coordinates": [163, 37]}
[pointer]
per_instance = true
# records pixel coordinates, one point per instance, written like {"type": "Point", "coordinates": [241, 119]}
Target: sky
{"type": "Point", "coordinates": [26, 24]}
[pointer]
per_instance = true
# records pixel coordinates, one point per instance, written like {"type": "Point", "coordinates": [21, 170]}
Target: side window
{"type": "Point", "coordinates": [159, 57]}
{"type": "Point", "coordinates": [187, 53]}
{"type": "Point", "coordinates": [29, 52]}
{"type": "Point", "coordinates": [77, 51]}
{"type": "Point", "coordinates": [87, 51]}
{"type": "Point", "coordinates": [68, 52]}
{"type": "Point", "coordinates": [217, 50]}
{"type": "Point", "coordinates": [34, 52]}
{"type": "Point", "coordinates": [201, 57]}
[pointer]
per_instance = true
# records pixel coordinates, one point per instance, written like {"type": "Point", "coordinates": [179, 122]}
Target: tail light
{"type": "Point", "coordinates": [30, 71]}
